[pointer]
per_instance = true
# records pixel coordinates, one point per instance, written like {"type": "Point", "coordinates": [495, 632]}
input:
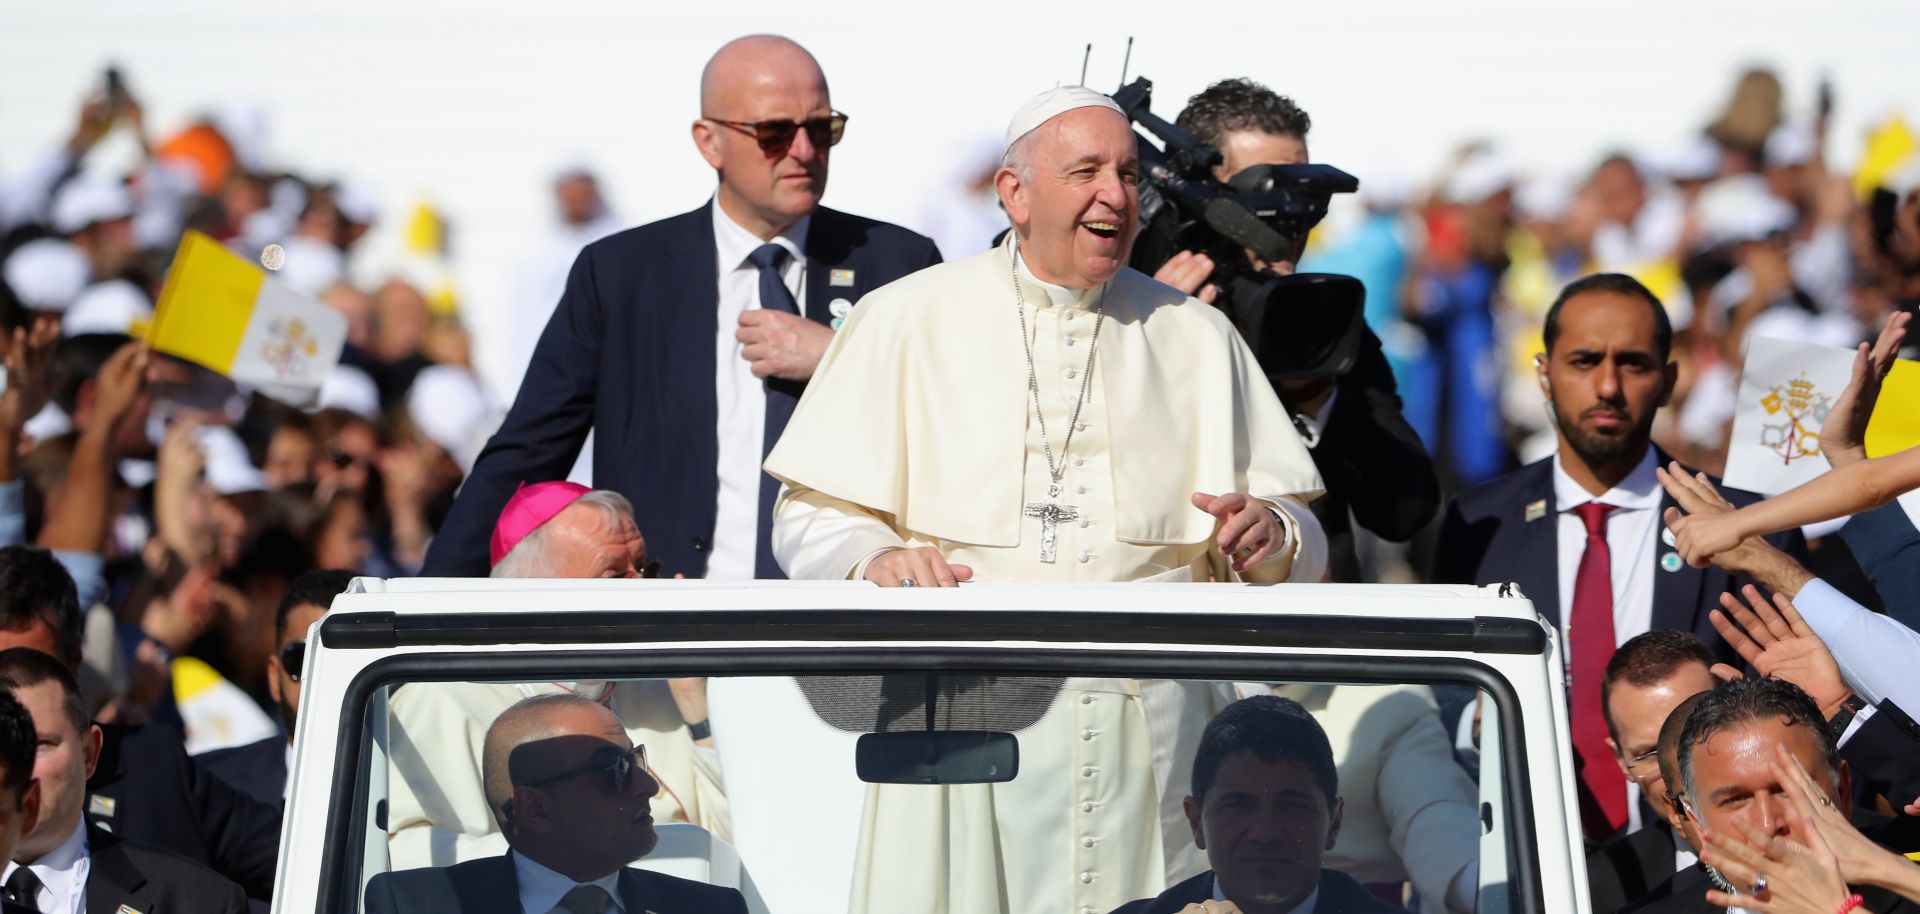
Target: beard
{"type": "Point", "coordinates": [1597, 449]}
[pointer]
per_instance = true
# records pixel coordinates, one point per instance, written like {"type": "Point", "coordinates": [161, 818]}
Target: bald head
{"type": "Point", "coordinates": [540, 717]}
{"type": "Point", "coordinates": [755, 62]}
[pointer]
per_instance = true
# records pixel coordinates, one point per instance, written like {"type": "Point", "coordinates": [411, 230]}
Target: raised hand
{"type": "Point", "coordinates": [1843, 436]}
{"type": "Point", "coordinates": [1775, 875]}
{"type": "Point", "coordinates": [1779, 643]}
{"type": "Point", "coordinates": [1707, 530]}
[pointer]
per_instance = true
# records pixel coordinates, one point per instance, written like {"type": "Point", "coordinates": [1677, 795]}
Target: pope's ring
{"type": "Point", "coordinates": [908, 582]}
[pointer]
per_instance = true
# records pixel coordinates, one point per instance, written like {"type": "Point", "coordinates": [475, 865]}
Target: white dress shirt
{"type": "Point", "coordinates": [1876, 654]}
{"type": "Point", "coordinates": [541, 889]}
{"type": "Point", "coordinates": [1632, 534]}
{"type": "Point", "coordinates": [63, 874]}
{"type": "Point", "coordinates": [741, 397]}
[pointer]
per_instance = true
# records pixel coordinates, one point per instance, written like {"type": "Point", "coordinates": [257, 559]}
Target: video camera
{"type": "Point", "coordinates": [1304, 326]}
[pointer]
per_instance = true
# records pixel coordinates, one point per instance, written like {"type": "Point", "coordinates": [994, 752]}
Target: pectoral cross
{"type": "Point", "coordinates": [1051, 512]}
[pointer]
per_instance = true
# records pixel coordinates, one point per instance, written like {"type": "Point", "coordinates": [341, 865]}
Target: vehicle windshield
{"type": "Point", "coordinates": [1036, 792]}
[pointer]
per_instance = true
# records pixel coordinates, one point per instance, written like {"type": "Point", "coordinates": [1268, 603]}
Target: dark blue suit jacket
{"type": "Point", "coordinates": [257, 769]}
{"type": "Point", "coordinates": [1887, 547]}
{"type": "Point", "coordinates": [629, 354]}
{"type": "Point", "coordinates": [1485, 538]}
{"type": "Point", "coordinates": [488, 886]}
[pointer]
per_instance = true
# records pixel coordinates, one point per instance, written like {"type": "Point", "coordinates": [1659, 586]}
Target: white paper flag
{"type": "Point", "coordinates": [1786, 390]}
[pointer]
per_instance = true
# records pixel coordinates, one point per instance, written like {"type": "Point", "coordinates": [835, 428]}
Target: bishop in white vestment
{"type": "Point", "coordinates": [1042, 412]}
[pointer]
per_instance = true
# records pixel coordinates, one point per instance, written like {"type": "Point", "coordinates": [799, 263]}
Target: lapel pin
{"type": "Point", "coordinates": [127, 909]}
{"type": "Point", "coordinates": [835, 323]}
{"type": "Point", "coordinates": [1671, 562]}
{"type": "Point", "coordinates": [840, 307]}
{"type": "Point", "coordinates": [840, 278]}
{"type": "Point", "coordinates": [1536, 510]}
{"type": "Point", "coordinates": [100, 806]}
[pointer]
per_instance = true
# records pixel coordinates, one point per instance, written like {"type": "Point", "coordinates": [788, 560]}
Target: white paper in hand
{"type": "Point", "coordinates": [1786, 390]}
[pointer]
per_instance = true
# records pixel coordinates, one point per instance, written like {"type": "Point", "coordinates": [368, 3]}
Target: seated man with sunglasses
{"type": "Point", "coordinates": [570, 791]}
{"type": "Point", "coordinates": [259, 769]}
{"type": "Point", "coordinates": [547, 530]}
{"type": "Point", "coordinates": [684, 344]}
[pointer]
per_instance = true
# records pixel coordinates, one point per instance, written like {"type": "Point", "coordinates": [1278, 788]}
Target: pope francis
{"type": "Point", "coordinates": [1042, 412]}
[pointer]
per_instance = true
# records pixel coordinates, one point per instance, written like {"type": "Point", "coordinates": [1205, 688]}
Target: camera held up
{"type": "Point", "coordinates": [1303, 326]}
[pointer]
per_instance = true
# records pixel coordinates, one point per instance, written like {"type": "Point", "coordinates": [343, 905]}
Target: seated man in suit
{"type": "Point", "coordinates": [260, 768]}
{"type": "Point", "coordinates": [570, 792]}
{"type": "Point", "coordinates": [1266, 808]}
{"type": "Point", "coordinates": [1728, 784]}
{"type": "Point", "coordinates": [65, 865]}
{"type": "Point", "coordinates": [1648, 677]}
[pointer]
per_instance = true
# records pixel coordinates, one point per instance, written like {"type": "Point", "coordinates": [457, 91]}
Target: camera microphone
{"type": "Point", "coordinates": [1238, 224]}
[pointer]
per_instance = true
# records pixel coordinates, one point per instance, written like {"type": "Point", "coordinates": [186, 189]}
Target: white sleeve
{"type": "Point", "coordinates": [819, 537]}
{"type": "Point", "coordinates": [1876, 654]}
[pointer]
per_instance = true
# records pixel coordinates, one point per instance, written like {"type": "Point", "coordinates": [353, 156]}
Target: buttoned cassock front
{"type": "Point", "coordinates": [918, 430]}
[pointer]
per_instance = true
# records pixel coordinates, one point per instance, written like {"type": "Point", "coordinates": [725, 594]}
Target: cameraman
{"type": "Point", "coordinates": [1369, 457]}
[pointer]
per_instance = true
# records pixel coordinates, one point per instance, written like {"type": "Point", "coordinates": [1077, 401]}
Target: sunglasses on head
{"type": "Point", "coordinates": [617, 770]}
{"type": "Point", "coordinates": [776, 136]}
{"type": "Point", "coordinates": [293, 658]}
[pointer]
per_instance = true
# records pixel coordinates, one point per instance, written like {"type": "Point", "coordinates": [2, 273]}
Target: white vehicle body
{"type": "Point", "coordinates": [525, 630]}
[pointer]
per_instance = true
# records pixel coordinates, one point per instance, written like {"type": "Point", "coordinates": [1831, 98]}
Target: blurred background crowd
{"type": "Point", "coordinates": [205, 500]}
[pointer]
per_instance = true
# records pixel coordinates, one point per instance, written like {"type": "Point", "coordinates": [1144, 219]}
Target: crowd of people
{"type": "Point", "coordinates": [1738, 708]}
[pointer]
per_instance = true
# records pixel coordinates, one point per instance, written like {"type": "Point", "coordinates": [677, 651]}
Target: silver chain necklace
{"type": "Point", "coordinates": [1051, 512]}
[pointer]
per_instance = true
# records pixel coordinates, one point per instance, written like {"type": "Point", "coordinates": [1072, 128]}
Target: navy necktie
{"type": "Point", "coordinates": [781, 396]}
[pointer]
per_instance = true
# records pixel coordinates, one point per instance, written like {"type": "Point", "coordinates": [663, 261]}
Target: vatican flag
{"type": "Point", "coordinates": [1787, 388]}
{"type": "Point", "coordinates": [220, 311]}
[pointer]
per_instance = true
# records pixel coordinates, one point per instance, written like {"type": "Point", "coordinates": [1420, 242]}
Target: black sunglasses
{"type": "Point", "coordinates": [618, 771]}
{"type": "Point", "coordinates": [293, 658]}
{"type": "Point", "coordinates": [776, 136]}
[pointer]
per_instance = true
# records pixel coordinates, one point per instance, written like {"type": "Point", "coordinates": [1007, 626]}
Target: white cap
{"type": "Point", "coordinates": [86, 201]}
{"type": "Point", "coordinates": [311, 266]}
{"type": "Point", "coordinates": [449, 407]}
{"type": "Point", "coordinates": [229, 470]}
{"type": "Point", "coordinates": [1790, 144]}
{"type": "Point", "coordinates": [1740, 208]}
{"type": "Point", "coordinates": [1478, 178]}
{"type": "Point", "coordinates": [353, 390]}
{"type": "Point", "coordinates": [106, 307]}
{"type": "Point", "coordinates": [1698, 159]}
{"type": "Point", "coordinates": [355, 202]}
{"type": "Point", "coordinates": [244, 126]}
{"type": "Point", "coordinates": [1051, 104]}
{"type": "Point", "coordinates": [1547, 198]}
{"type": "Point", "coordinates": [48, 274]}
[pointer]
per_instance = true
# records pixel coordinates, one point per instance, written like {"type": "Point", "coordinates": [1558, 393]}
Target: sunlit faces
{"type": "Point", "coordinates": [1077, 207]}
{"type": "Point", "coordinates": [1734, 786]}
{"type": "Point", "coordinates": [65, 761]}
{"type": "Point", "coordinates": [1637, 714]}
{"type": "Point", "coordinates": [754, 79]}
{"type": "Point", "coordinates": [1605, 377]}
{"type": "Point", "coordinates": [1265, 826]}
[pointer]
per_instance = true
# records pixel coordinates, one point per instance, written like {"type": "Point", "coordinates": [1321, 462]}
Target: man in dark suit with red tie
{"type": "Point", "coordinates": [1580, 532]}
{"type": "Point", "coordinates": [684, 344]}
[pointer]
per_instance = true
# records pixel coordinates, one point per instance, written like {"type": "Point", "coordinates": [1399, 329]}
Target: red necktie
{"type": "Point", "coordinates": [1603, 789]}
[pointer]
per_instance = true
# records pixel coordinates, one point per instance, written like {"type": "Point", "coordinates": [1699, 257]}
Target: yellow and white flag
{"type": "Point", "coordinates": [1787, 388]}
{"type": "Point", "coordinates": [223, 312]}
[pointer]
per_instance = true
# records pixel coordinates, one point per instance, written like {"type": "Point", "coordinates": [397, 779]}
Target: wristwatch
{"type": "Point", "coordinates": [704, 729]}
{"type": "Point", "coordinates": [1837, 724]}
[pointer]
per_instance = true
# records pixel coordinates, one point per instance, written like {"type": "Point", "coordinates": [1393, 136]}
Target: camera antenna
{"type": "Point", "coordinates": [1084, 59]}
{"type": "Point", "coordinates": [1127, 60]}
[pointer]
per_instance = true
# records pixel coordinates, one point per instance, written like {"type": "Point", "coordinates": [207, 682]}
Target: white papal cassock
{"type": "Point", "coordinates": [917, 430]}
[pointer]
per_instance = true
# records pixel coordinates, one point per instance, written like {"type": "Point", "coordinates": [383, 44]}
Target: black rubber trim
{"type": "Point", "coordinates": [344, 850]}
{"type": "Point", "coordinates": [1478, 634]}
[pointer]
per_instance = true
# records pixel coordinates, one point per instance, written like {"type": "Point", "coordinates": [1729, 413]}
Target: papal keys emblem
{"type": "Point", "coordinates": [1795, 411]}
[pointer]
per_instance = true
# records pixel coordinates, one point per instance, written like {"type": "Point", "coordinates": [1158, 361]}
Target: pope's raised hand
{"type": "Point", "coordinates": [924, 566]}
{"type": "Point", "coordinates": [781, 345]}
{"type": "Point", "coordinates": [1248, 529]}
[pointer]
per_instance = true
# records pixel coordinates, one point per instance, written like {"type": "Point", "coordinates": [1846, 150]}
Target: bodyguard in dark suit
{"type": "Point", "coordinates": [684, 344]}
{"type": "Point", "coordinates": [571, 792]}
{"type": "Point", "coordinates": [1265, 807]}
{"type": "Point", "coordinates": [1580, 532]}
{"type": "Point", "coordinates": [64, 858]}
